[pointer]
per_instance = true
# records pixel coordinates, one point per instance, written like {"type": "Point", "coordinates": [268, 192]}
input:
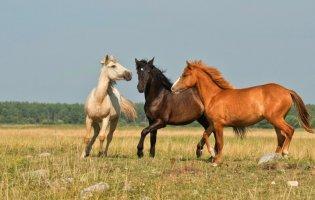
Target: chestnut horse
{"type": "Point", "coordinates": [226, 106]}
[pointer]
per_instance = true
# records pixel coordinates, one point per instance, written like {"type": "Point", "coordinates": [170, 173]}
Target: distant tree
{"type": "Point", "coordinates": [61, 113]}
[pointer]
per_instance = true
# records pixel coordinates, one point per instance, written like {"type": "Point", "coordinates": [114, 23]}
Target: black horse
{"type": "Point", "coordinates": [163, 107]}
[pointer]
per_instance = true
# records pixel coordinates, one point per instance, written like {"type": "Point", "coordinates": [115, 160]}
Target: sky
{"type": "Point", "coordinates": [50, 50]}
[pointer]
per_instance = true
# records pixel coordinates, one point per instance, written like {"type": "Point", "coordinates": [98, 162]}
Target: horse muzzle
{"type": "Point", "coordinates": [127, 75]}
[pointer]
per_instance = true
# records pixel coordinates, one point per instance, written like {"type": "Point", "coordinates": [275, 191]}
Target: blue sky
{"type": "Point", "coordinates": [50, 50]}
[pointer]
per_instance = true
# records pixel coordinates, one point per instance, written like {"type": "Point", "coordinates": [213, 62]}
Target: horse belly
{"type": "Point", "coordinates": [244, 110]}
{"type": "Point", "coordinates": [185, 116]}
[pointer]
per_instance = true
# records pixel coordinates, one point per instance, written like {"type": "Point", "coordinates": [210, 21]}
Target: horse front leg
{"type": "Point", "coordinates": [153, 127]}
{"type": "Point", "coordinates": [152, 143]}
{"type": "Point", "coordinates": [218, 134]}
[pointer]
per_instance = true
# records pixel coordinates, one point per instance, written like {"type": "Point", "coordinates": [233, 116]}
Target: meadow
{"type": "Point", "coordinates": [175, 172]}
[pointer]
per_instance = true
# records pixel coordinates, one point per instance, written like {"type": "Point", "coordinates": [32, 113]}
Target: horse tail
{"type": "Point", "coordinates": [128, 108]}
{"type": "Point", "coordinates": [240, 131]}
{"type": "Point", "coordinates": [303, 114]}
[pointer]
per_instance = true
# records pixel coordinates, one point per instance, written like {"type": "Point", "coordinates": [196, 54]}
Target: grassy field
{"type": "Point", "coordinates": [174, 173]}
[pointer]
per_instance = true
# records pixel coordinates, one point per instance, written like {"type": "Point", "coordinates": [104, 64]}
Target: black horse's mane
{"type": "Point", "coordinates": [159, 76]}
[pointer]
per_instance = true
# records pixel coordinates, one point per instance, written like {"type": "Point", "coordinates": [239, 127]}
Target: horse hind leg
{"type": "Point", "coordinates": [288, 131]}
{"type": "Point", "coordinates": [112, 128]}
{"type": "Point", "coordinates": [280, 137]}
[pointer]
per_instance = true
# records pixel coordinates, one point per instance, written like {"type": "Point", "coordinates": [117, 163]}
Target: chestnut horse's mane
{"type": "Point", "coordinates": [213, 73]}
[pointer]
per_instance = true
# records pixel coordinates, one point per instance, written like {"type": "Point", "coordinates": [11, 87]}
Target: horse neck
{"type": "Point", "coordinates": [153, 90]}
{"type": "Point", "coordinates": [207, 89]}
{"type": "Point", "coordinates": [102, 86]}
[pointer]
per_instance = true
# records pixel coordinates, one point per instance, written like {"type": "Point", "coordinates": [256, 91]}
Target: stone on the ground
{"type": "Point", "coordinates": [292, 183]}
{"type": "Point", "coordinates": [268, 158]}
{"type": "Point", "coordinates": [45, 154]}
{"type": "Point", "coordinates": [89, 191]}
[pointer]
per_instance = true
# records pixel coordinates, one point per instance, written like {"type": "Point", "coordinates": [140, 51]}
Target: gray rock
{"type": "Point", "coordinates": [88, 192]}
{"type": "Point", "coordinates": [269, 157]}
{"type": "Point", "coordinates": [292, 183]}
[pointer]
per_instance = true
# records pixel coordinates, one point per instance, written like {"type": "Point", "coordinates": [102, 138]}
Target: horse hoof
{"type": "Point", "coordinates": [198, 153]}
{"type": "Point", "coordinates": [140, 154]}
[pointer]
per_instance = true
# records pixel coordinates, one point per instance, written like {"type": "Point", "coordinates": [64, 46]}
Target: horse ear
{"type": "Point", "coordinates": [188, 63]}
{"type": "Point", "coordinates": [136, 60]}
{"type": "Point", "coordinates": [106, 59]}
{"type": "Point", "coordinates": [151, 61]}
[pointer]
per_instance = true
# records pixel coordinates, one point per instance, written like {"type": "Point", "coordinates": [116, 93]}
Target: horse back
{"type": "Point", "coordinates": [249, 105]}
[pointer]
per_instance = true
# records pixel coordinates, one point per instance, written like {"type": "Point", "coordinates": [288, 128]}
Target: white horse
{"type": "Point", "coordinates": [104, 104]}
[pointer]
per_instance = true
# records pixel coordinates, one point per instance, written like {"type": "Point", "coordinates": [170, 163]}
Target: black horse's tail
{"type": "Point", "coordinates": [240, 131]}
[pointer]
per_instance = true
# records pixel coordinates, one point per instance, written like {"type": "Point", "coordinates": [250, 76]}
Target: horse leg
{"type": "Point", "coordinates": [289, 131]}
{"type": "Point", "coordinates": [280, 138]}
{"type": "Point", "coordinates": [152, 143]}
{"type": "Point", "coordinates": [88, 148]}
{"type": "Point", "coordinates": [203, 121]}
{"type": "Point", "coordinates": [86, 138]}
{"type": "Point", "coordinates": [218, 134]}
{"type": "Point", "coordinates": [112, 128]}
{"type": "Point", "coordinates": [206, 135]}
{"type": "Point", "coordinates": [88, 126]}
{"type": "Point", "coordinates": [152, 140]}
{"type": "Point", "coordinates": [153, 127]}
{"type": "Point", "coordinates": [105, 124]}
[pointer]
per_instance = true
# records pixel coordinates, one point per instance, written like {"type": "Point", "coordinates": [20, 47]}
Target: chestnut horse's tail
{"type": "Point", "coordinates": [303, 114]}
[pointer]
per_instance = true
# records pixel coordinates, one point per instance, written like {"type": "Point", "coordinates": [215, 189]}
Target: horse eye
{"type": "Point", "coordinates": [141, 69]}
{"type": "Point", "coordinates": [113, 66]}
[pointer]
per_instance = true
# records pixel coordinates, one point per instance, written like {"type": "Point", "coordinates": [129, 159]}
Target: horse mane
{"type": "Point", "coordinates": [213, 73]}
{"type": "Point", "coordinates": [158, 75]}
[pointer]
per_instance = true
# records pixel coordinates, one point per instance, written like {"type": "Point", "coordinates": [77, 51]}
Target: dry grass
{"type": "Point", "coordinates": [175, 173]}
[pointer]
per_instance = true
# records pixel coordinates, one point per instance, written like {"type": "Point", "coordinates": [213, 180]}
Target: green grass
{"type": "Point", "coordinates": [174, 173]}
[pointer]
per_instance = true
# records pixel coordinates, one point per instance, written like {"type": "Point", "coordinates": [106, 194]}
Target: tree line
{"type": "Point", "coordinates": [62, 113]}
